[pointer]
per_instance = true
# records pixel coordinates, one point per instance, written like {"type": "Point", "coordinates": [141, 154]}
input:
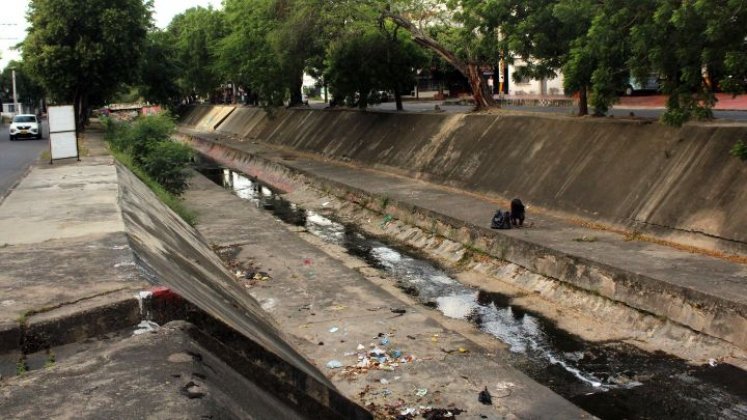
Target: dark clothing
{"type": "Point", "coordinates": [501, 220]}
{"type": "Point", "coordinates": [517, 212]}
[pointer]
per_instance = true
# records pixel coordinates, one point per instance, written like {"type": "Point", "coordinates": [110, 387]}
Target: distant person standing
{"type": "Point", "coordinates": [517, 212]}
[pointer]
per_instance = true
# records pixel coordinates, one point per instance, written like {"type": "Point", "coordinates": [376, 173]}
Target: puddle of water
{"type": "Point", "coordinates": [612, 381]}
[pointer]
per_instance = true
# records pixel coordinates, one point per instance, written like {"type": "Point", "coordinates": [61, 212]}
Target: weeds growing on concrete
{"type": "Point", "coordinates": [147, 141]}
{"type": "Point", "coordinates": [384, 202]}
{"type": "Point", "coordinates": [50, 359]}
{"type": "Point", "coordinates": [739, 150]}
{"type": "Point", "coordinates": [633, 236]}
{"type": "Point", "coordinates": [23, 317]}
{"type": "Point", "coordinates": [145, 148]}
{"type": "Point", "coordinates": [21, 366]}
{"type": "Point", "coordinates": [174, 202]}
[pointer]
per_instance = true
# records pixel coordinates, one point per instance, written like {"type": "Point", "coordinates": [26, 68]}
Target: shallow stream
{"type": "Point", "coordinates": [610, 380]}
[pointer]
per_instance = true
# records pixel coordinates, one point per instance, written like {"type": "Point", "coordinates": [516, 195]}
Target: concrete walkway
{"type": "Point", "coordinates": [704, 293]}
{"type": "Point", "coordinates": [81, 246]}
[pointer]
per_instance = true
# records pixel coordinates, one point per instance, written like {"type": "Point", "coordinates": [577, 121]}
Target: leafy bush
{"type": "Point", "coordinates": [740, 150]}
{"type": "Point", "coordinates": [166, 162]}
{"type": "Point", "coordinates": [166, 197]}
{"type": "Point", "coordinates": [147, 141]}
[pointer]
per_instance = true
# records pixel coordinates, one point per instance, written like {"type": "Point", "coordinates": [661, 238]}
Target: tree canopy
{"type": "Point", "coordinates": [82, 51]}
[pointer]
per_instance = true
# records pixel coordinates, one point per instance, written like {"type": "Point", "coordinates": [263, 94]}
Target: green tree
{"type": "Point", "coordinates": [196, 34]}
{"type": "Point", "coordinates": [28, 91]}
{"type": "Point", "coordinates": [270, 43]}
{"type": "Point", "coordinates": [695, 47]}
{"type": "Point", "coordinates": [245, 55]}
{"type": "Point", "coordinates": [468, 46]}
{"type": "Point", "coordinates": [542, 34]}
{"type": "Point", "coordinates": [82, 51]}
{"type": "Point", "coordinates": [160, 70]}
{"type": "Point", "coordinates": [369, 56]}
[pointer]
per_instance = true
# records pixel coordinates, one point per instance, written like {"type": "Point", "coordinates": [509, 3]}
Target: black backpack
{"type": "Point", "coordinates": [501, 220]}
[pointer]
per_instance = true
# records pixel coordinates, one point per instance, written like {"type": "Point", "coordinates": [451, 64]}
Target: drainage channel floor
{"type": "Point", "coordinates": [609, 380]}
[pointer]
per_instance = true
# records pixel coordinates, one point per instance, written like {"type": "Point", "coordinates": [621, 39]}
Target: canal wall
{"type": "Point", "coordinates": [678, 184]}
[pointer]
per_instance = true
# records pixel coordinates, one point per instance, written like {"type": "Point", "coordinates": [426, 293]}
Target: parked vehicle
{"type": "Point", "coordinates": [25, 126]}
{"type": "Point", "coordinates": [649, 85]}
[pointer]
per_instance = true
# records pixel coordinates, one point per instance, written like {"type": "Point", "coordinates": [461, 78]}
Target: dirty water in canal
{"type": "Point", "coordinates": [610, 380]}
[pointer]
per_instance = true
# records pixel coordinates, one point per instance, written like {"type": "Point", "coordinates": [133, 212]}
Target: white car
{"type": "Point", "coordinates": [25, 125]}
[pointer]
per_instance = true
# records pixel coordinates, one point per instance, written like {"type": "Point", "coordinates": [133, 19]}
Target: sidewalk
{"type": "Point", "coordinates": [726, 102]}
{"type": "Point", "coordinates": [704, 293]}
{"type": "Point", "coordinates": [82, 246]}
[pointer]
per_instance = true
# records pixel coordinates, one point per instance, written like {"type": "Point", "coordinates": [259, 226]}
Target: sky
{"type": "Point", "coordinates": [13, 23]}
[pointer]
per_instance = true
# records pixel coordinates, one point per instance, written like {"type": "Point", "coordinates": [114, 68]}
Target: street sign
{"type": "Point", "coordinates": [63, 139]}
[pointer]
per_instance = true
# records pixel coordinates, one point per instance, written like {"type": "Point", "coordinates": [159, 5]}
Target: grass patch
{"type": "Point", "coordinates": [51, 359]}
{"type": "Point", "coordinates": [21, 366]}
{"type": "Point", "coordinates": [174, 202]}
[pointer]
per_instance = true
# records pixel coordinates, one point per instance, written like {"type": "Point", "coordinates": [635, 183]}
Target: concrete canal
{"type": "Point", "coordinates": [612, 380]}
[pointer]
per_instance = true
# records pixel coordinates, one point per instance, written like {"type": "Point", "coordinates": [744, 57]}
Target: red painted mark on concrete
{"type": "Point", "coordinates": [307, 261]}
{"type": "Point", "coordinates": [164, 293]}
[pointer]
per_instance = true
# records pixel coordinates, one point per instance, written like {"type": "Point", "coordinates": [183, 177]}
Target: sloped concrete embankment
{"type": "Point", "coordinates": [678, 184]}
{"type": "Point", "coordinates": [84, 265]}
{"type": "Point", "coordinates": [688, 314]}
{"type": "Point", "coordinates": [640, 305]}
{"type": "Point", "coordinates": [171, 253]}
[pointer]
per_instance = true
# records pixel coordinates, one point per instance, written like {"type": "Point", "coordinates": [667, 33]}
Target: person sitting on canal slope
{"type": "Point", "coordinates": [517, 212]}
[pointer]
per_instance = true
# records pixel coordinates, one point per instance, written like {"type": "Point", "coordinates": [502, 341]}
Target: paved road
{"type": "Point", "coordinates": [16, 156]}
{"type": "Point", "coordinates": [653, 113]}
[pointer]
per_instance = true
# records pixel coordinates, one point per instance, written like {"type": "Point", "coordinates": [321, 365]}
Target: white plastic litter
{"type": "Point", "coordinates": [146, 327]}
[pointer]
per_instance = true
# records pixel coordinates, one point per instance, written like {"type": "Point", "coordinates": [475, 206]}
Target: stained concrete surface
{"type": "Point", "coordinates": [165, 374]}
{"type": "Point", "coordinates": [630, 173]}
{"type": "Point", "coordinates": [700, 292]}
{"type": "Point", "coordinates": [62, 243]}
{"type": "Point", "coordinates": [329, 309]}
{"type": "Point", "coordinates": [79, 240]}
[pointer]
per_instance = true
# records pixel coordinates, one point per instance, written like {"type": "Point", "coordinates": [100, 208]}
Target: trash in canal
{"type": "Point", "coordinates": [484, 397]}
{"type": "Point", "coordinates": [609, 380]}
{"type": "Point", "coordinates": [146, 327]}
{"type": "Point", "coordinates": [334, 364]}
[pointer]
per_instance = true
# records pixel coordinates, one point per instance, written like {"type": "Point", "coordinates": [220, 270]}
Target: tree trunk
{"type": "Point", "coordinates": [583, 102]}
{"type": "Point", "coordinates": [398, 99]}
{"type": "Point", "coordinates": [470, 71]}
{"type": "Point", "coordinates": [480, 89]}
{"type": "Point", "coordinates": [296, 97]}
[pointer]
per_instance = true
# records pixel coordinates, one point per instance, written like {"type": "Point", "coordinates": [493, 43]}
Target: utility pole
{"type": "Point", "coordinates": [15, 94]}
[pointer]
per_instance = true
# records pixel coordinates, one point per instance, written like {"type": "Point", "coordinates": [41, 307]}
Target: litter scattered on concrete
{"type": "Point", "coordinates": [334, 329]}
{"type": "Point", "coordinates": [384, 341]}
{"type": "Point", "coordinates": [334, 364]}
{"type": "Point", "coordinates": [398, 310]}
{"type": "Point", "coordinates": [484, 397]}
{"type": "Point", "coordinates": [146, 327]}
{"type": "Point", "coordinates": [712, 362]}
{"type": "Point", "coordinates": [421, 392]}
